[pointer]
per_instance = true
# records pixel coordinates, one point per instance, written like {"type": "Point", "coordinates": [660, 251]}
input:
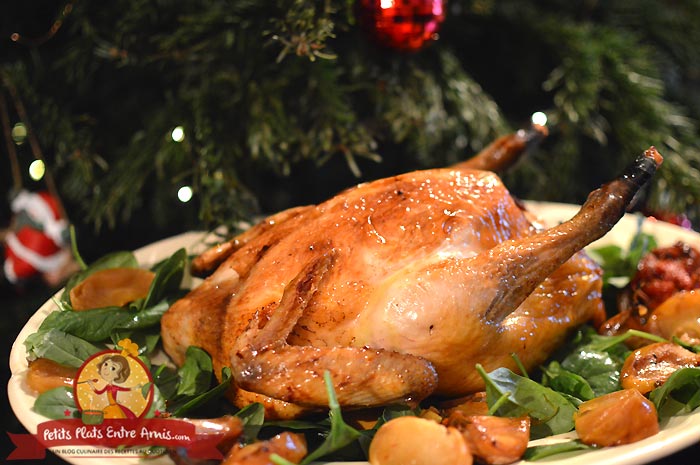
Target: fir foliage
{"type": "Point", "coordinates": [292, 94]}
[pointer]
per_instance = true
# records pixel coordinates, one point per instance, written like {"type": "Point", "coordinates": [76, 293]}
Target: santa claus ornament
{"type": "Point", "coordinates": [402, 25]}
{"type": "Point", "coordinates": [36, 243]}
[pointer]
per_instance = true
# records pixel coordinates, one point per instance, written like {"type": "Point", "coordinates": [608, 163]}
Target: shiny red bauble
{"type": "Point", "coordinates": [402, 25]}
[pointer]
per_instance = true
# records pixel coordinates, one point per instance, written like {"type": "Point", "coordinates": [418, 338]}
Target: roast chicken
{"type": "Point", "coordinates": [397, 288]}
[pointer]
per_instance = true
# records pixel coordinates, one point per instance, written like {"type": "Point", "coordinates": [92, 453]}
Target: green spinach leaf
{"type": "Point", "coordinates": [590, 362]}
{"type": "Point", "coordinates": [166, 379]}
{"type": "Point", "coordinates": [57, 404]}
{"type": "Point", "coordinates": [679, 394]}
{"type": "Point", "coordinates": [189, 403]}
{"type": "Point", "coordinates": [168, 277]}
{"type": "Point", "coordinates": [158, 406]}
{"type": "Point", "coordinates": [253, 418]}
{"type": "Point", "coordinates": [147, 339]}
{"type": "Point", "coordinates": [195, 374]}
{"type": "Point", "coordinates": [566, 382]}
{"type": "Point", "coordinates": [620, 264]}
{"type": "Point", "coordinates": [551, 412]}
{"type": "Point", "coordinates": [97, 325]}
{"type": "Point", "coordinates": [60, 347]}
{"type": "Point", "coordinates": [340, 435]}
{"type": "Point", "coordinates": [535, 453]}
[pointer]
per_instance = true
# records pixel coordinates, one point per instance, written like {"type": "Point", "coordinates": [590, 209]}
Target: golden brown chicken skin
{"type": "Point", "coordinates": [397, 288]}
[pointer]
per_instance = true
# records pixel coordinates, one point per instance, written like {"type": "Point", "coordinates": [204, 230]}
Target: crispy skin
{"type": "Point", "coordinates": [397, 288]}
{"type": "Point", "coordinates": [381, 233]}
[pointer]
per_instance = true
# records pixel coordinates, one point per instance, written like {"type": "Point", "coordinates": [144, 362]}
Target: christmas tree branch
{"type": "Point", "coordinates": [33, 142]}
{"type": "Point", "coordinates": [11, 152]}
{"type": "Point", "coordinates": [286, 89]}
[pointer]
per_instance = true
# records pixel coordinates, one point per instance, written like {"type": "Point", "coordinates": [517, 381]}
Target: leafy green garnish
{"type": "Point", "coordinates": [534, 453]}
{"type": "Point", "coordinates": [193, 389]}
{"type": "Point", "coordinates": [392, 412]}
{"type": "Point", "coordinates": [340, 435]}
{"type": "Point", "coordinates": [205, 397]}
{"type": "Point", "coordinates": [195, 374]}
{"type": "Point", "coordinates": [147, 339]}
{"type": "Point", "coordinates": [168, 277]}
{"type": "Point", "coordinates": [279, 460]}
{"type": "Point", "coordinates": [588, 366]}
{"type": "Point", "coordinates": [253, 418]}
{"type": "Point", "coordinates": [158, 406]}
{"type": "Point", "coordinates": [679, 394]}
{"type": "Point", "coordinates": [74, 248]}
{"type": "Point", "coordinates": [566, 382]}
{"type": "Point", "coordinates": [686, 345]}
{"type": "Point", "coordinates": [57, 404]}
{"type": "Point", "coordinates": [59, 346]}
{"type": "Point", "coordinates": [98, 324]}
{"type": "Point", "coordinates": [600, 369]}
{"type": "Point", "coordinates": [607, 343]}
{"type": "Point", "coordinates": [620, 263]}
{"type": "Point", "coordinates": [551, 413]}
{"type": "Point", "coordinates": [166, 379]}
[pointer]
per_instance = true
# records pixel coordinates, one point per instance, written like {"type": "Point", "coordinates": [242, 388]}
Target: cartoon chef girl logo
{"type": "Point", "coordinates": [113, 384]}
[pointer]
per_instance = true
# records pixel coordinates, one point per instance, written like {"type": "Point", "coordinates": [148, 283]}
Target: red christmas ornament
{"type": "Point", "coordinates": [403, 25]}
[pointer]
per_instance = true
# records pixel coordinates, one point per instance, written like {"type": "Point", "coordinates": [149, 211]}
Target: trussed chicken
{"type": "Point", "coordinates": [398, 288]}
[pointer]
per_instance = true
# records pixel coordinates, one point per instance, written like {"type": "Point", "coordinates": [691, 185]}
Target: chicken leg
{"type": "Point", "coordinates": [504, 304]}
{"type": "Point", "coordinates": [502, 153]}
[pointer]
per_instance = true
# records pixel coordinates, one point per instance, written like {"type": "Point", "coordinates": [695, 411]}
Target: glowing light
{"type": "Point", "coordinates": [19, 133]}
{"type": "Point", "coordinates": [386, 4]}
{"type": "Point", "coordinates": [37, 169]}
{"type": "Point", "coordinates": [178, 134]}
{"type": "Point", "coordinates": [184, 194]}
{"type": "Point", "coordinates": [539, 118]}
